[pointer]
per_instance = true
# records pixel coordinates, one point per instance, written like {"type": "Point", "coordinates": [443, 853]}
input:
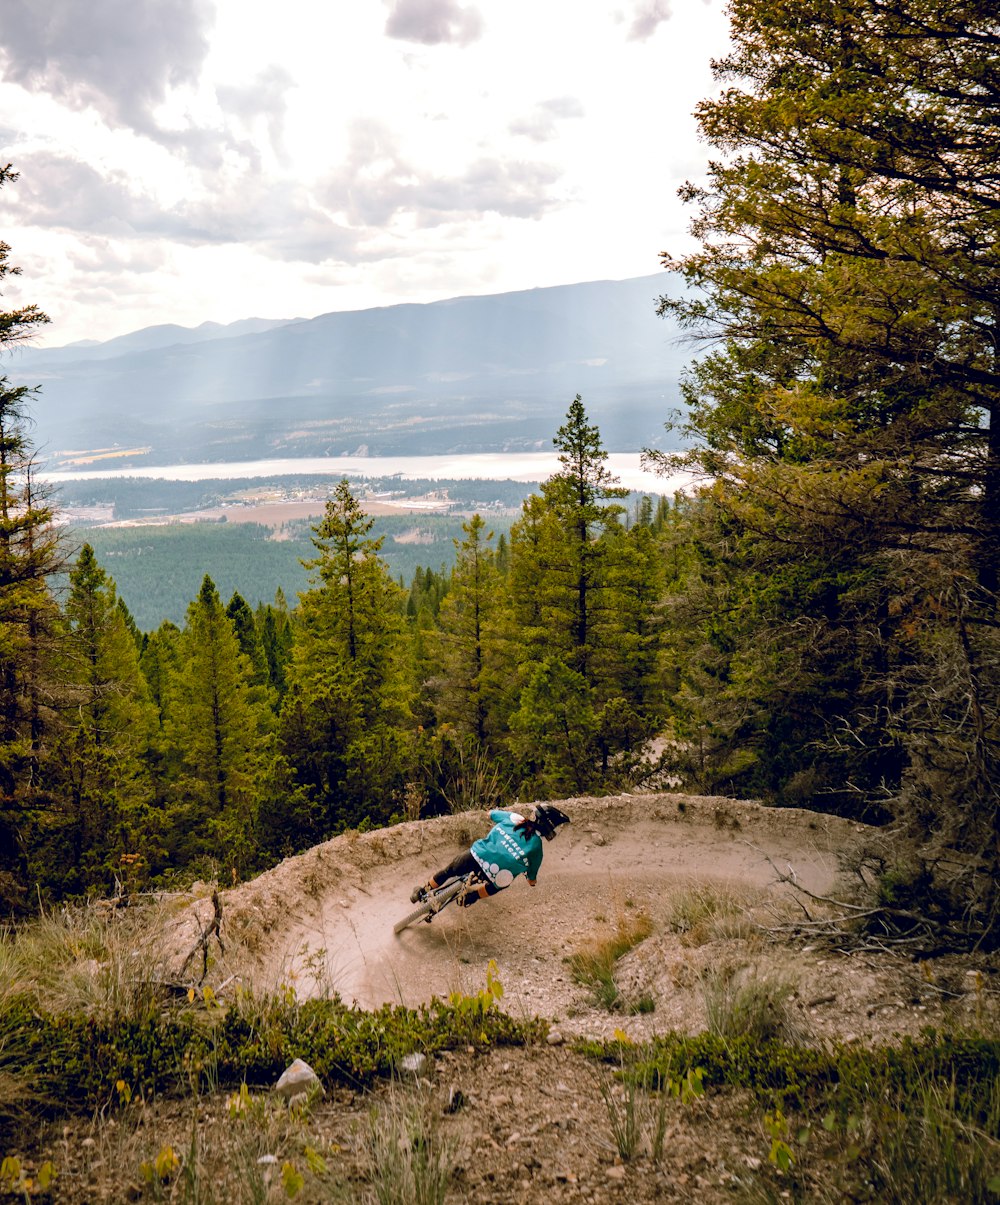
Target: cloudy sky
{"type": "Point", "coordinates": [193, 160]}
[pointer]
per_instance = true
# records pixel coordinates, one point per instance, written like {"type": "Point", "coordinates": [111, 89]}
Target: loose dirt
{"type": "Point", "coordinates": [322, 922]}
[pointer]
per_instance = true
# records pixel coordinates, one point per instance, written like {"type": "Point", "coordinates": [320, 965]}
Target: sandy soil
{"type": "Point", "coordinates": [322, 921]}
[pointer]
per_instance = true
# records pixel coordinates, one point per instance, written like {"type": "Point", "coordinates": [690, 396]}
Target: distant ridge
{"type": "Point", "coordinates": [466, 374]}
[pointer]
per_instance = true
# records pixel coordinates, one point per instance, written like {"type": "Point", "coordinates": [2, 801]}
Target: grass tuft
{"type": "Point", "coordinates": [747, 1002]}
{"type": "Point", "coordinates": [707, 912]}
{"type": "Point", "coordinates": [596, 963]}
{"type": "Point", "coordinates": [409, 1162]}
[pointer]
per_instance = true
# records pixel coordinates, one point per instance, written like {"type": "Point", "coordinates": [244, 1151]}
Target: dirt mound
{"type": "Point", "coordinates": [702, 872]}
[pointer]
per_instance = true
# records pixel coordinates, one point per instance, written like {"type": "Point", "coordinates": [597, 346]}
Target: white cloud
{"type": "Point", "coordinates": [433, 22]}
{"type": "Point", "coordinates": [648, 17]}
{"type": "Point", "coordinates": [207, 159]}
{"type": "Point", "coordinates": [120, 57]}
{"type": "Point", "coordinates": [540, 123]}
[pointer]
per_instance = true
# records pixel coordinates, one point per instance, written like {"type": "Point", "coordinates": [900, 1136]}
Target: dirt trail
{"type": "Point", "coordinates": [323, 921]}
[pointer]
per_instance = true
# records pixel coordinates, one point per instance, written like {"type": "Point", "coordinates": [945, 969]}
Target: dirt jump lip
{"type": "Point", "coordinates": [322, 922]}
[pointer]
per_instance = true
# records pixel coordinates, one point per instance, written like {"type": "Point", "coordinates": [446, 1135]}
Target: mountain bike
{"type": "Point", "coordinates": [437, 899]}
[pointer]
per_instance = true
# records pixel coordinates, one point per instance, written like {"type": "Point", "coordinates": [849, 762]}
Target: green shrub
{"type": "Point", "coordinates": [78, 1060]}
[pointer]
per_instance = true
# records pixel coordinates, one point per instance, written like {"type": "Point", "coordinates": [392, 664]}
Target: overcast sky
{"type": "Point", "coordinates": [193, 160]}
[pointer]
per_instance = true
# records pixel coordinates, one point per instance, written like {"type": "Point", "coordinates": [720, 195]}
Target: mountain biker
{"type": "Point", "coordinates": [512, 847]}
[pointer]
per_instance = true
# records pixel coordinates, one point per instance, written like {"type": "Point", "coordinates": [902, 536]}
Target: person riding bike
{"type": "Point", "coordinates": [512, 847]}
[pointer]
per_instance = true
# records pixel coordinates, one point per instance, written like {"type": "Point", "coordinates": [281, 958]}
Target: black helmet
{"type": "Point", "coordinates": [547, 820]}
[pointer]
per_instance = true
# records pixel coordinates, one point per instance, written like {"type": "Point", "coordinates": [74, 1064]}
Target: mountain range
{"type": "Point", "coordinates": [470, 374]}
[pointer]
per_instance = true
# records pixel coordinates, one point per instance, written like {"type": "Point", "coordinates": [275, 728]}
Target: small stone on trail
{"type": "Point", "coordinates": [414, 1063]}
{"type": "Point", "coordinates": [297, 1079]}
{"type": "Point", "coordinates": [616, 1173]}
{"type": "Point", "coordinates": [598, 839]}
{"type": "Point", "coordinates": [555, 1038]}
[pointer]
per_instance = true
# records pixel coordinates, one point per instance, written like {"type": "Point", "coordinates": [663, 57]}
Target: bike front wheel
{"type": "Point", "coordinates": [432, 905]}
{"type": "Point", "coordinates": [416, 914]}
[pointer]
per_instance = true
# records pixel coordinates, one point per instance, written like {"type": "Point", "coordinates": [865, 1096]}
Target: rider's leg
{"type": "Point", "coordinates": [477, 892]}
{"type": "Point", "coordinates": [464, 863]}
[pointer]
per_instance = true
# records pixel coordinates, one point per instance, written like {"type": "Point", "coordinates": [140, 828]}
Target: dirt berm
{"type": "Point", "coordinates": [322, 921]}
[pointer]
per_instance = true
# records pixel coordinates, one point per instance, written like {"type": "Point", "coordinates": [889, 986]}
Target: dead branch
{"type": "Point", "coordinates": [212, 928]}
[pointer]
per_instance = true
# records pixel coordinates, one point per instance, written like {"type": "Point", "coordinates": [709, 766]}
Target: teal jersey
{"type": "Point", "coordinates": [504, 852]}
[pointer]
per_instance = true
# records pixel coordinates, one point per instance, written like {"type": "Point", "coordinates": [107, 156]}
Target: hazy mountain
{"type": "Point", "coordinates": [468, 374]}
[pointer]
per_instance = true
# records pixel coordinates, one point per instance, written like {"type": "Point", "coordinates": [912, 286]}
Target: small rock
{"type": "Point", "coordinates": [268, 1160]}
{"type": "Point", "coordinates": [297, 1079]}
{"type": "Point", "coordinates": [414, 1063]}
{"type": "Point", "coordinates": [753, 1162]}
{"type": "Point", "coordinates": [598, 839]}
{"type": "Point", "coordinates": [554, 1038]}
{"type": "Point", "coordinates": [616, 1173]}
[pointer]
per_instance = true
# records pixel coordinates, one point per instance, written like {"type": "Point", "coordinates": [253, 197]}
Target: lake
{"type": "Point", "coordinates": [479, 466]}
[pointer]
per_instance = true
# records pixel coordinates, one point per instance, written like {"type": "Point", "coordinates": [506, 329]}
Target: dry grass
{"type": "Point", "coordinates": [595, 963]}
{"type": "Point", "coordinates": [743, 1000]}
{"type": "Point", "coordinates": [80, 960]}
{"type": "Point", "coordinates": [705, 912]}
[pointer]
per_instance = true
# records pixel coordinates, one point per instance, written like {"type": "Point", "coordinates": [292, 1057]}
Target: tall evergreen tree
{"type": "Point", "coordinates": [850, 417]}
{"type": "Point", "coordinates": [582, 591]}
{"type": "Point", "coordinates": [251, 646]}
{"type": "Point", "coordinates": [98, 778]}
{"type": "Point", "coordinates": [219, 742]}
{"type": "Point", "coordinates": [461, 690]}
{"type": "Point", "coordinates": [28, 554]}
{"type": "Point", "coordinates": [274, 630]}
{"type": "Point", "coordinates": [348, 681]}
{"type": "Point", "coordinates": [581, 498]}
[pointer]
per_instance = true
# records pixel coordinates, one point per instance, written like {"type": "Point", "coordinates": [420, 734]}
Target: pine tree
{"type": "Point", "coordinates": [349, 679]}
{"type": "Point", "coordinates": [98, 777]}
{"type": "Point", "coordinates": [850, 417]}
{"type": "Point", "coordinates": [582, 591]}
{"type": "Point", "coordinates": [274, 630]}
{"type": "Point", "coordinates": [29, 553]}
{"type": "Point", "coordinates": [580, 497]}
{"type": "Point", "coordinates": [245, 627]}
{"type": "Point", "coordinates": [219, 742]}
{"type": "Point", "coordinates": [462, 696]}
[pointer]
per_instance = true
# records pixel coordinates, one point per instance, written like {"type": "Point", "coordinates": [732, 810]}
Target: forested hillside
{"type": "Point", "coordinates": [158, 570]}
{"type": "Point", "coordinates": [815, 624]}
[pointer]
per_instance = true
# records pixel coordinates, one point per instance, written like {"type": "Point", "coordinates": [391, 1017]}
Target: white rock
{"type": "Point", "coordinates": [414, 1063]}
{"type": "Point", "coordinates": [297, 1078]}
{"type": "Point", "coordinates": [555, 1038]}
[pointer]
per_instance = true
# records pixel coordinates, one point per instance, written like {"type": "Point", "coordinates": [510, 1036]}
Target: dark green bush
{"type": "Point", "coordinates": [78, 1061]}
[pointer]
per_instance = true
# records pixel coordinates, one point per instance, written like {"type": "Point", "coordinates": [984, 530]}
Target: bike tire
{"type": "Point", "coordinates": [416, 914]}
{"type": "Point", "coordinates": [427, 908]}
